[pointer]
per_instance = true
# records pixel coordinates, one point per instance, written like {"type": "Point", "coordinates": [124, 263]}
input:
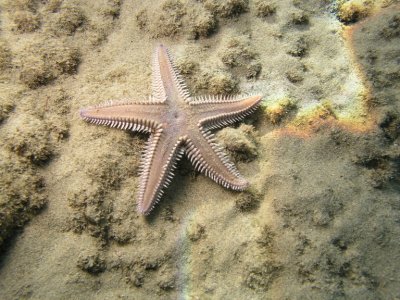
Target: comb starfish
{"type": "Point", "coordinates": [178, 124]}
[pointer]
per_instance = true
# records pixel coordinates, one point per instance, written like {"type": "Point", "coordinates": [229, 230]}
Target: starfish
{"type": "Point", "coordinates": [178, 124]}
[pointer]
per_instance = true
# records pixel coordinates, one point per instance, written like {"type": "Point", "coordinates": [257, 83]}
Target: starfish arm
{"type": "Point", "coordinates": [166, 78]}
{"type": "Point", "coordinates": [157, 86]}
{"type": "Point", "coordinates": [158, 163]}
{"type": "Point", "coordinates": [141, 116]}
{"type": "Point", "coordinates": [217, 112]}
{"type": "Point", "coordinates": [210, 159]}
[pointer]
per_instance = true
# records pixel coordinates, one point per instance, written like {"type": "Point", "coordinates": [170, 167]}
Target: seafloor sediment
{"type": "Point", "coordinates": [321, 218]}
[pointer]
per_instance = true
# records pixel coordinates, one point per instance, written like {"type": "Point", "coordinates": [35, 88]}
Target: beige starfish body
{"type": "Point", "coordinates": [178, 124]}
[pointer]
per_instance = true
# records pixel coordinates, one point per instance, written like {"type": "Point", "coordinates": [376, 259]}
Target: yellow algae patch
{"type": "Point", "coordinates": [278, 110]}
{"type": "Point", "coordinates": [357, 110]}
{"type": "Point", "coordinates": [356, 10]}
{"type": "Point", "coordinates": [353, 11]}
{"type": "Point", "coordinates": [320, 111]}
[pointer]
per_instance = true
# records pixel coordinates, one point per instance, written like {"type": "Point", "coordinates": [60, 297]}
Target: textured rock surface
{"type": "Point", "coordinates": [321, 217]}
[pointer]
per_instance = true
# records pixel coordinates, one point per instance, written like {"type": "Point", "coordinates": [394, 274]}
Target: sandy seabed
{"type": "Point", "coordinates": [321, 219]}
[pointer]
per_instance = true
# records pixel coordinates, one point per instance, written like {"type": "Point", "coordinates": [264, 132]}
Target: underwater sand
{"type": "Point", "coordinates": [321, 219]}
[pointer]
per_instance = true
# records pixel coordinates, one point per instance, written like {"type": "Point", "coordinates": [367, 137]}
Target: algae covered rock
{"type": "Point", "coordinates": [265, 8]}
{"type": "Point", "coordinates": [226, 8]}
{"type": "Point", "coordinates": [5, 55]}
{"type": "Point", "coordinates": [54, 59]}
{"type": "Point", "coordinates": [167, 20]}
{"type": "Point", "coordinates": [277, 111]}
{"type": "Point", "coordinates": [93, 264]}
{"type": "Point", "coordinates": [222, 83]}
{"type": "Point", "coordinates": [21, 193]}
{"type": "Point", "coordinates": [248, 201]}
{"type": "Point", "coordinates": [299, 18]}
{"type": "Point", "coordinates": [25, 21]}
{"type": "Point", "coordinates": [241, 142]}
{"type": "Point", "coordinates": [68, 18]}
{"type": "Point", "coordinates": [29, 138]}
{"type": "Point", "coordinates": [237, 52]}
{"type": "Point", "coordinates": [6, 107]}
{"type": "Point", "coordinates": [204, 23]}
{"type": "Point", "coordinates": [354, 10]}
